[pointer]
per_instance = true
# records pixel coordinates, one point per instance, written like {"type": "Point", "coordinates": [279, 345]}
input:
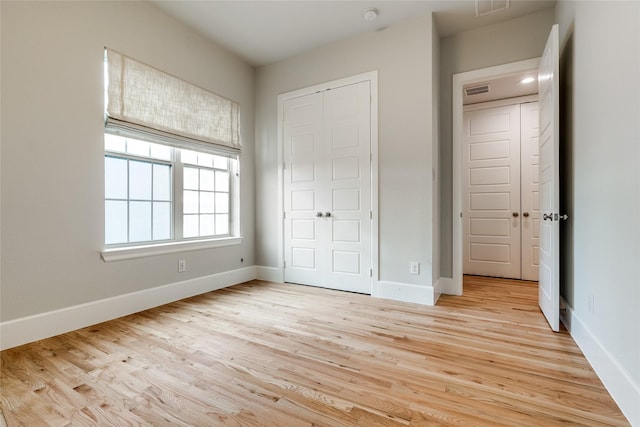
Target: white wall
{"type": "Point", "coordinates": [52, 149]}
{"type": "Point", "coordinates": [402, 54]}
{"type": "Point", "coordinates": [600, 121]}
{"type": "Point", "coordinates": [510, 41]}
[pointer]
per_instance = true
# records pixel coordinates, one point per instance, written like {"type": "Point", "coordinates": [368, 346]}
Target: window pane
{"type": "Point", "coordinates": [114, 143]}
{"type": "Point", "coordinates": [115, 222]}
{"type": "Point", "coordinates": [205, 159]}
{"type": "Point", "coordinates": [222, 181]}
{"type": "Point", "coordinates": [161, 220]}
{"type": "Point", "coordinates": [222, 224]}
{"type": "Point", "coordinates": [139, 221]}
{"type": "Point", "coordinates": [115, 178]}
{"type": "Point", "coordinates": [161, 152]}
{"type": "Point", "coordinates": [222, 202]}
{"type": "Point", "coordinates": [138, 148]}
{"type": "Point", "coordinates": [206, 179]}
{"type": "Point", "coordinates": [207, 225]}
{"type": "Point", "coordinates": [220, 162]}
{"type": "Point", "coordinates": [190, 202]}
{"type": "Point", "coordinates": [190, 178]}
{"type": "Point", "coordinates": [206, 202]}
{"type": "Point", "coordinates": [190, 226]}
{"type": "Point", "coordinates": [139, 180]}
{"type": "Point", "coordinates": [162, 182]}
{"type": "Point", "coordinates": [188, 156]}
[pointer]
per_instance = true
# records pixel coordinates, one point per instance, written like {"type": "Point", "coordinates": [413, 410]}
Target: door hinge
{"type": "Point", "coordinates": [284, 263]}
{"type": "Point", "coordinates": [370, 272]}
{"type": "Point", "coordinates": [370, 214]}
{"type": "Point", "coordinates": [284, 215]}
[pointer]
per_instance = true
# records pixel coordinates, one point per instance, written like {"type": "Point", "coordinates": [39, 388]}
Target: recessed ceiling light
{"type": "Point", "coordinates": [370, 14]}
{"type": "Point", "coordinates": [527, 80]}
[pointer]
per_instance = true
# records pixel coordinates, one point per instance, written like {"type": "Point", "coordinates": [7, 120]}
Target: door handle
{"type": "Point", "coordinates": [327, 214]}
{"type": "Point", "coordinates": [547, 217]}
{"type": "Point", "coordinates": [515, 214]}
{"type": "Point", "coordinates": [525, 214]}
{"type": "Point", "coordinates": [319, 214]}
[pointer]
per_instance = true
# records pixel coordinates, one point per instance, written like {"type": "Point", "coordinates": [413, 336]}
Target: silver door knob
{"type": "Point", "coordinates": [319, 214]}
{"type": "Point", "coordinates": [327, 214]}
{"type": "Point", "coordinates": [515, 214]}
{"type": "Point", "coordinates": [525, 214]}
{"type": "Point", "coordinates": [547, 217]}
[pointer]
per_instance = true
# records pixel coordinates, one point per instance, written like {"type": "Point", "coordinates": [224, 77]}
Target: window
{"type": "Point", "coordinates": [171, 153]}
{"type": "Point", "coordinates": [156, 193]}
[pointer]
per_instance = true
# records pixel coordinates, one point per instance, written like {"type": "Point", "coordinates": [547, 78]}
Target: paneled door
{"type": "Point", "coordinates": [530, 196]}
{"type": "Point", "coordinates": [327, 188]}
{"type": "Point", "coordinates": [549, 284]}
{"type": "Point", "coordinates": [491, 177]}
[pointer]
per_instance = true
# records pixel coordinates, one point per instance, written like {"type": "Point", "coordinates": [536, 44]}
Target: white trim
{"type": "Point", "coordinates": [501, 103]}
{"type": "Point", "coordinates": [372, 78]}
{"type": "Point", "coordinates": [269, 274]}
{"type": "Point", "coordinates": [44, 325]}
{"type": "Point", "coordinates": [459, 80]}
{"type": "Point", "coordinates": [446, 286]}
{"type": "Point", "coordinates": [407, 292]}
{"type": "Point", "coordinates": [132, 252]}
{"type": "Point", "coordinates": [618, 382]}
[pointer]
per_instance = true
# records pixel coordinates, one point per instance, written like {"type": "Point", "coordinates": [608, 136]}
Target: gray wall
{"type": "Point", "coordinates": [511, 41]}
{"type": "Point", "coordinates": [52, 148]}
{"type": "Point", "coordinates": [600, 122]}
{"type": "Point", "coordinates": [402, 54]}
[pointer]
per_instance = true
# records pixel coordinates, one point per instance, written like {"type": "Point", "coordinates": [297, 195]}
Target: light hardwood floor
{"type": "Point", "coordinates": [266, 354]}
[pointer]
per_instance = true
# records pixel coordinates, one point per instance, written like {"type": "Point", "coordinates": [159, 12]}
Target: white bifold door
{"type": "Point", "coordinates": [327, 188]}
{"type": "Point", "coordinates": [501, 216]}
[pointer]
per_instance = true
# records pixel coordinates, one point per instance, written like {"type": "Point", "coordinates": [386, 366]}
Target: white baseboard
{"type": "Point", "coordinates": [32, 328]}
{"type": "Point", "coordinates": [270, 274]}
{"type": "Point", "coordinates": [615, 378]}
{"type": "Point", "coordinates": [407, 292]}
{"type": "Point", "coordinates": [446, 286]}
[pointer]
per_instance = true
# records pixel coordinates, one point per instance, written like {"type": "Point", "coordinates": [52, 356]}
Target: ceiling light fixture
{"type": "Point", "coordinates": [370, 14]}
{"type": "Point", "coordinates": [527, 80]}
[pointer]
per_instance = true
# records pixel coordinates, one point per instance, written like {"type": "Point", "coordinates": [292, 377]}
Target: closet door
{"type": "Point", "coordinates": [491, 217]}
{"type": "Point", "coordinates": [530, 165]}
{"type": "Point", "coordinates": [327, 189]}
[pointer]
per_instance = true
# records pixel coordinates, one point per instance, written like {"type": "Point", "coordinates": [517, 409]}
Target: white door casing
{"type": "Point", "coordinates": [529, 201]}
{"type": "Point", "coordinates": [328, 188]}
{"type": "Point", "coordinates": [549, 283]}
{"type": "Point", "coordinates": [491, 177]}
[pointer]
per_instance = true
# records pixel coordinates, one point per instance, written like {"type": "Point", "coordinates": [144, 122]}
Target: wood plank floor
{"type": "Point", "coordinates": [266, 354]}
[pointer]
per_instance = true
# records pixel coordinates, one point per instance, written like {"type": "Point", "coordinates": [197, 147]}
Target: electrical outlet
{"type": "Point", "coordinates": [182, 266]}
{"type": "Point", "coordinates": [414, 268]}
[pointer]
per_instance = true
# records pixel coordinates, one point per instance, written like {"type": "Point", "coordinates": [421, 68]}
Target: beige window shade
{"type": "Point", "coordinates": [141, 98]}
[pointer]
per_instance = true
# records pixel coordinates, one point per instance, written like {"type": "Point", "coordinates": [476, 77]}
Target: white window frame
{"type": "Point", "coordinates": [124, 251]}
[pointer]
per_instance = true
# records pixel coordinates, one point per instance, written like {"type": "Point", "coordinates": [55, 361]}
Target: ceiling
{"type": "Point", "coordinates": [263, 32]}
{"type": "Point", "coordinates": [505, 87]}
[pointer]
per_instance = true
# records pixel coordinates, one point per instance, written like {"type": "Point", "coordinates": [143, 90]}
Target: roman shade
{"type": "Point", "coordinates": [144, 100]}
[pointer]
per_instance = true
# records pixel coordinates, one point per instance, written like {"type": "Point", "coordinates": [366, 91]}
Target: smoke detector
{"type": "Point", "coordinates": [370, 14]}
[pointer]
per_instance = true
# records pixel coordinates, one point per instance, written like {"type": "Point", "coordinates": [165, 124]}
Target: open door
{"type": "Point", "coordinates": [549, 277]}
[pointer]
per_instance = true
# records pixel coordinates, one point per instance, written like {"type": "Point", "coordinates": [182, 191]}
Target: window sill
{"type": "Point", "coordinates": [132, 252]}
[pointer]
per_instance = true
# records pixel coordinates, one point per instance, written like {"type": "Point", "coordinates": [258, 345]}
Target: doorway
{"type": "Point", "coordinates": [500, 184]}
{"type": "Point", "coordinates": [459, 81]}
{"type": "Point", "coordinates": [329, 184]}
